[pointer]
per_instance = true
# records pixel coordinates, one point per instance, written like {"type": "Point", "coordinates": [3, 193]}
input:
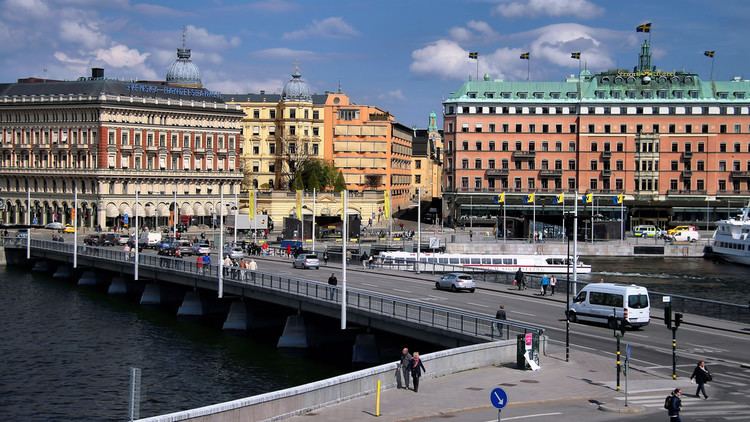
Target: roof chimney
{"type": "Point", "coordinates": [97, 73]}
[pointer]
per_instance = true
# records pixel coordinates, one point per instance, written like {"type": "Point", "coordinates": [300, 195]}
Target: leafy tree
{"type": "Point", "coordinates": [340, 184]}
{"type": "Point", "coordinates": [313, 182]}
{"type": "Point", "coordinates": [298, 184]}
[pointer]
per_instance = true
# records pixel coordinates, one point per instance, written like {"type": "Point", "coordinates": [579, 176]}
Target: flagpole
{"type": "Point", "coordinates": [575, 245]}
{"type": "Point", "coordinates": [528, 68]}
{"type": "Point", "coordinates": [345, 233]}
{"type": "Point", "coordinates": [563, 214]}
{"type": "Point", "coordinates": [28, 220]}
{"type": "Point", "coordinates": [477, 67]}
{"type": "Point", "coordinates": [712, 68]}
{"type": "Point", "coordinates": [313, 223]}
{"type": "Point", "coordinates": [75, 226]}
{"type": "Point", "coordinates": [419, 224]}
{"type": "Point", "coordinates": [221, 241]}
{"type": "Point", "coordinates": [137, 242]}
{"type": "Point", "coordinates": [236, 215]}
{"type": "Point", "coordinates": [533, 228]}
{"type": "Point", "coordinates": [504, 225]}
{"type": "Point", "coordinates": [622, 218]}
{"type": "Point", "coordinates": [255, 213]}
{"type": "Point", "coordinates": [174, 213]}
{"type": "Point", "coordinates": [302, 219]}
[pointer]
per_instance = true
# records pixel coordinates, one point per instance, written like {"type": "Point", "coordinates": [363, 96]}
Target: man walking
{"type": "Point", "coordinates": [402, 369]}
{"type": "Point", "coordinates": [701, 376]}
{"type": "Point", "coordinates": [674, 405]}
{"type": "Point", "coordinates": [500, 315]}
{"type": "Point", "coordinates": [553, 283]}
{"type": "Point", "coordinates": [520, 280]}
{"type": "Point", "coordinates": [544, 283]}
{"type": "Point", "coordinates": [332, 282]}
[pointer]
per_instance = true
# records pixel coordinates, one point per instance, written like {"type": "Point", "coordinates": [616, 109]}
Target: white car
{"type": "Point", "coordinates": [306, 260]}
{"type": "Point", "coordinates": [54, 226]}
{"type": "Point", "coordinates": [456, 282]}
{"type": "Point", "coordinates": [686, 236]}
{"type": "Point", "coordinates": [235, 252]}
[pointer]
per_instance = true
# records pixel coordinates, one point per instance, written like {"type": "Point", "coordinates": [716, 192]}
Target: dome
{"type": "Point", "coordinates": [183, 72]}
{"type": "Point", "coordinates": [296, 89]}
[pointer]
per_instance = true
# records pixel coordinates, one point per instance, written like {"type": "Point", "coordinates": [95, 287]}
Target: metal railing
{"type": "Point", "coordinates": [445, 318]}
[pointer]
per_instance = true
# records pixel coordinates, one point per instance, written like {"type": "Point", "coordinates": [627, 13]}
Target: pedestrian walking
{"type": "Point", "coordinates": [206, 263]}
{"type": "Point", "coordinates": [544, 284]}
{"type": "Point", "coordinates": [520, 280]}
{"type": "Point", "coordinates": [332, 282]}
{"type": "Point", "coordinates": [701, 376]}
{"type": "Point", "coordinates": [673, 404]}
{"type": "Point", "coordinates": [500, 315]}
{"type": "Point", "coordinates": [416, 367]}
{"type": "Point", "coordinates": [227, 263]}
{"type": "Point", "coordinates": [402, 369]}
{"type": "Point", "coordinates": [199, 263]}
{"type": "Point", "coordinates": [553, 283]}
{"type": "Point", "coordinates": [363, 259]}
{"type": "Point", "coordinates": [370, 262]}
{"type": "Point", "coordinates": [325, 257]}
{"type": "Point", "coordinates": [471, 236]}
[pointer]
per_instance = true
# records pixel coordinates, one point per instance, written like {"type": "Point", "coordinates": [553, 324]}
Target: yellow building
{"type": "Point", "coordinates": [280, 133]}
{"type": "Point", "coordinates": [427, 165]}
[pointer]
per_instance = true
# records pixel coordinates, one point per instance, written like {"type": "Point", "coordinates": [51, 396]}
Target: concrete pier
{"type": "Point", "coordinates": [365, 349]}
{"type": "Point", "coordinates": [151, 294]}
{"type": "Point", "coordinates": [191, 305]}
{"type": "Point", "coordinates": [41, 266]}
{"type": "Point", "coordinates": [237, 318]}
{"type": "Point", "coordinates": [62, 272]}
{"type": "Point", "coordinates": [88, 278]}
{"type": "Point", "coordinates": [117, 286]}
{"type": "Point", "coordinates": [295, 334]}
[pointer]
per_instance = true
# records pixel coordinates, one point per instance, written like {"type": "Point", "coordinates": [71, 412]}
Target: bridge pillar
{"type": "Point", "coordinates": [295, 333]}
{"type": "Point", "coordinates": [62, 272]}
{"type": "Point", "coordinates": [117, 286]}
{"type": "Point", "coordinates": [365, 349]}
{"type": "Point", "coordinates": [191, 305]}
{"type": "Point", "coordinates": [41, 266]}
{"type": "Point", "coordinates": [237, 317]}
{"type": "Point", "coordinates": [88, 278]}
{"type": "Point", "coordinates": [151, 294]}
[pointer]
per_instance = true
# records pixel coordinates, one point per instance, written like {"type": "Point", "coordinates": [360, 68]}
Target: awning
{"type": "Point", "coordinates": [199, 211]}
{"type": "Point", "coordinates": [186, 209]}
{"type": "Point", "coordinates": [223, 210]}
{"type": "Point", "coordinates": [209, 207]}
{"type": "Point", "coordinates": [141, 211]}
{"type": "Point", "coordinates": [162, 210]}
{"type": "Point", "coordinates": [125, 210]}
{"type": "Point", "coordinates": [149, 210]}
{"type": "Point", "coordinates": [112, 211]}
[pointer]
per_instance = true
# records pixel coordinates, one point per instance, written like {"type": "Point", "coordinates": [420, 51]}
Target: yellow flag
{"type": "Point", "coordinates": [251, 206]}
{"type": "Point", "coordinates": [299, 205]}
{"type": "Point", "coordinates": [387, 203]}
{"type": "Point", "coordinates": [501, 198]}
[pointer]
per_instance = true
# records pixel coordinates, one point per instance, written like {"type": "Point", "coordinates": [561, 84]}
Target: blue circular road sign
{"type": "Point", "coordinates": [498, 398]}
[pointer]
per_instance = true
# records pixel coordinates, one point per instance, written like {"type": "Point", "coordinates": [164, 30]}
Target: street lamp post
{"type": "Point", "coordinates": [28, 221]}
{"type": "Point", "coordinates": [313, 222]}
{"type": "Point", "coordinates": [75, 226]}
{"type": "Point", "coordinates": [221, 240]}
{"type": "Point", "coordinates": [345, 233]}
{"type": "Point", "coordinates": [567, 296]}
{"type": "Point", "coordinates": [419, 224]}
{"type": "Point", "coordinates": [236, 215]}
{"type": "Point", "coordinates": [137, 240]}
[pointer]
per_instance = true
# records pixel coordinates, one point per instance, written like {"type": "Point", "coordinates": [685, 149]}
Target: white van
{"type": "Point", "coordinates": [150, 239]}
{"type": "Point", "coordinates": [646, 230]}
{"type": "Point", "coordinates": [599, 302]}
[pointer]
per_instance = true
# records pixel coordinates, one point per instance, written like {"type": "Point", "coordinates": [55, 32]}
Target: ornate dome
{"type": "Point", "coordinates": [296, 89]}
{"type": "Point", "coordinates": [183, 72]}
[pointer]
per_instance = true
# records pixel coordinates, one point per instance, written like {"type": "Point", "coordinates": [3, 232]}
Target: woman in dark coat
{"type": "Point", "coordinates": [701, 376]}
{"type": "Point", "coordinates": [416, 367]}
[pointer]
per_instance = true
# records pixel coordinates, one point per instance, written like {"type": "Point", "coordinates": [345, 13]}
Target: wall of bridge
{"type": "Point", "coordinates": [631, 247]}
{"type": "Point", "coordinates": [305, 398]}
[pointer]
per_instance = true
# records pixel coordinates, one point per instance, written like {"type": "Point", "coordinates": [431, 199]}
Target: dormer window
{"type": "Point", "coordinates": [538, 95]}
{"type": "Point", "coordinates": [722, 95]}
{"type": "Point", "coordinates": [554, 95]}
{"type": "Point", "coordinates": [471, 94]}
{"type": "Point", "coordinates": [489, 95]}
{"type": "Point", "coordinates": [505, 94]}
{"type": "Point", "coordinates": [523, 95]}
{"type": "Point", "coordinates": [739, 95]}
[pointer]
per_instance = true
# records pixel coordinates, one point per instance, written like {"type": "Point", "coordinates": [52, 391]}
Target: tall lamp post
{"type": "Point", "coordinates": [419, 224]}
{"type": "Point", "coordinates": [568, 216]}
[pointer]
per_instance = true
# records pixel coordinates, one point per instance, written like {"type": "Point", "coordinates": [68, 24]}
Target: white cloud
{"type": "Point", "coordinates": [447, 59]}
{"type": "Point", "coordinates": [474, 31]}
{"type": "Point", "coordinates": [25, 9]}
{"type": "Point", "coordinates": [86, 34]}
{"type": "Point", "coordinates": [394, 95]}
{"type": "Point", "coordinates": [554, 43]}
{"type": "Point", "coordinates": [283, 53]}
{"type": "Point", "coordinates": [156, 9]}
{"type": "Point", "coordinates": [534, 8]}
{"type": "Point", "coordinates": [272, 5]}
{"type": "Point", "coordinates": [201, 38]}
{"type": "Point", "coordinates": [121, 56]}
{"type": "Point", "coordinates": [333, 27]}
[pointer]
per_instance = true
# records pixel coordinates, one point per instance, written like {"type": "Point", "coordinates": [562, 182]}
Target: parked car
{"type": "Point", "coordinates": [685, 236]}
{"type": "Point", "coordinates": [92, 240]}
{"type": "Point", "coordinates": [54, 226]}
{"type": "Point", "coordinates": [235, 252]}
{"type": "Point", "coordinates": [124, 238]}
{"type": "Point", "coordinates": [456, 282]}
{"type": "Point", "coordinates": [202, 248]}
{"type": "Point", "coordinates": [645, 230]}
{"type": "Point", "coordinates": [110, 239]}
{"type": "Point", "coordinates": [166, 248]}
{"type": "Point", "coordinates": [185, 247]}
{"type": "Point", "coordinates": [306, 260]}
{"type": "Point", "coordinates": [677, 229]}
{"type": "Point", "coordinates": [69, 229]}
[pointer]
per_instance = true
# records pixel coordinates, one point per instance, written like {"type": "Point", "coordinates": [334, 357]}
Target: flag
{"type": "Point", "coordinates": [560, 198]}
{"type": "Point", "coordinates": [387, 203]}
{"type": "Point", "coordinates": [525, 56]}
{"type": "Point", "coordinates": [474, 55]}
{"type": "Point", "coordinates": [576, 55]}
{"type": "Point", "coordinates": [587, 198]}
{"type": "Point", "coordinates": [618, 199]}
{"type": "Point", "coordinates": [500, 198]}
{"type": "Point", "coordinates": [251, 206]}
{"type": "Point", "coordinates": [529, 199]}
{"type": "Point", "coordinates": [646, 27]}
{"type": "Point", "coordinates": [709, 53]}
{"type": "Point", "coordinates": [171, 218]}
{"type": "Point", "coordinates": [299, 205]}
{"type": "Point", "coordinates": [72, 214]}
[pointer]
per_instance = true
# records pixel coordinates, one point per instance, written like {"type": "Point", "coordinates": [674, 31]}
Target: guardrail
{"type": "Point", "coordinates": [445, 318]}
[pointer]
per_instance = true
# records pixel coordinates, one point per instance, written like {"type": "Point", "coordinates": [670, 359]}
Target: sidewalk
{"type": "Point", "coordinates": [585, 377]}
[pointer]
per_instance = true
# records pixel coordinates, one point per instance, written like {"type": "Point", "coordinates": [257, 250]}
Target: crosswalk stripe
{"type": "Point", "coordinates": [736, 418]}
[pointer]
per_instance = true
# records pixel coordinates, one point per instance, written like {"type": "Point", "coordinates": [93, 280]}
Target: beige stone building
{"type": "Point", "coordinates": [427, 166]}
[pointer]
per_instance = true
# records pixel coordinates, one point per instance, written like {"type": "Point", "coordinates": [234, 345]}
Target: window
{"type": "Point", "coordinates": [737, 147]}
{"type": "Point", "coordinates": [348, 114]}
{"type": "Point", "coordinates": [491, 164]}
{"type": "Point", "coordinates": [518, 128]}
{"type": "Point", "coordinates": [591, 128]}
{"type": "Point", "coordinates": [723, 129]}
{"type": "Point", "coordinates": [478, 164]}
{"type": "Point", "coordinates": [594, 164]}
{"type": "Point", "coordinates": [674, 146]}
{"type": "Point", "coordinates": [518, 146]}
{"type": "Point", "coordinates": [593, 184]}
{"type": "Point", "coordinates": [272, 113]}
{"type": "Point", "coordinates": [272, 148]}
{"type": "Point", "coordinates": [607, 129]}
{"type": "Point", "coordinates": [594, 147]}
{"type": "Point", "coordinates": [545, 146]}
{"type": "Point", "coordinates": [571, 164]}
{"type": "Point", "coordinates": [505, 146]}
{"type": "Point", "coordinates": [571, 146]}
{"type": "Point", "coordinates": [558, 164]}
{"type": "Point", "coordinates": [492, 145]}
{"type": "Point", "coordinates": [504, 163]}
{"type": "Point", "coordinates": [185, 141]}
{"type": "Point", "coordinates": [316, 131]}
{"type": "Point", "coordinates": [256, 149]}
{"type": "Point", "coordinates": [674, 165]}
{"type": "Point", "coordinates": [673, 184]}
{"type": "Point", "coordinates": [464, 164]}
{"type": "Point", "coordinates": [619, 165]}
{"type": "Point", "coordinates": [700, 147]}
{"type": "Point", "coordinates": [465, 145]}
{"type": "Point", "coordinates": [293, 113]}
{"type": "Point", "coordinates": [688, 128]}
{"type": "Point", "coordinates": [700, 166]}
{"type": "Point", "coordinates": [672, 128]}
{"type": "Point", "coordinates": [722, 185]}
{"type": "Point", "coordinates": [477, 183]}
{"type": "Point", "coordinates": [532, 146]}
{"type": "Point", "coordinates": [316, 115]}
{"type": "Point", "coordinates": [256, 114]}
{"type": "Point", "coordinates": [545, 165]}
{"type": "Point", "coordinates": [571, 183]}
{"type": "Point", "coordinates": [618, 184]}
{"type": "Point", "coordinates": [704, 128]}
{"type": "Point", "coordinates": [530, 183]}
{"type": "Point", "coordinates": [418, 164]}
{"type": "Point", "coordinates": [722, 147]}
{"type": "Point", "coordinates": [478, 145]}
{"type": "Point", "coordinates": [417, 179]}
{"type": "Point", "coordinates": [558, 146]}
{"type": "Point", "coordinates": [532, 165]}
{"type": "Point", "coordinates": [492, 125]}
{"type": "Point", "coordinates": [700, 185]}
{"type": "Point", "coordinates": [620, 147]}
{"type": "Point", "coordinates": [722, 166]}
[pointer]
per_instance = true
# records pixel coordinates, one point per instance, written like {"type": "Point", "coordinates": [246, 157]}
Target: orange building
{"type": "Point", "coordinates": [371, 149]}
{"type": "Point", "coordinates": [668, 141]}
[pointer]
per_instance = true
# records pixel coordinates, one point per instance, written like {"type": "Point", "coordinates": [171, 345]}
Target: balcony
{"type": "Point", "coordinates": [496, 172]}
{"type": "Point", "coordinates": [550, 173]}
{"type": "Point", "coordinates": [689, 192]}
{"type": "Point", "coordinates": [606, 155]}
{"type": "Point", "coordinates": [520, 155]}
{"type": "Point", "coordinates": [740, 175]}
{"type": "Point", "coordinates": [687, 155]}
{"type": "Point", "coordinates": [686, 174]}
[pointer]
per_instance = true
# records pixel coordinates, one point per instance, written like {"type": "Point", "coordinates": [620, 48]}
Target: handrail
{"type": "Point", "coordinates": [450, 319]}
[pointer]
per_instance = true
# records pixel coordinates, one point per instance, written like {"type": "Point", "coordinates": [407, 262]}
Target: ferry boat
{"type": "Point", "coordinates": [443, 262]}
{"type": "Point", "coordinates": [731, 240]}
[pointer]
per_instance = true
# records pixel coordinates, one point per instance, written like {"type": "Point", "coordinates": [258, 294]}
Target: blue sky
{"type": "Point", "coordinates": [404, 56]}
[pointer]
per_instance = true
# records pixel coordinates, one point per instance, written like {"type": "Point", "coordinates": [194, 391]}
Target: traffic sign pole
{"type": "Point", "coordinates": [499, 399]}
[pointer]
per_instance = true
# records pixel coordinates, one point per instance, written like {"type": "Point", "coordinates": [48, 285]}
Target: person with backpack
{"type": "Point", "coordinates": [332, 282]}
{"type": "Point", "coordinates": [673, 404]}
{"type": "Point", "coordinates": [701, 376]}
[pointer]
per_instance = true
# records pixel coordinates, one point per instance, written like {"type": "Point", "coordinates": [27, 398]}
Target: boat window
{"type": "Point", "coordinates": [515, 261]}
{"type": "Point", "coordinates": [486, 260]}
{"type": "Point", "coordinates": [476, 260]}
{"type": "Point", "coordinates": [507, 261]}
{"type": "Point", "coordinates": [465, 261]}
{"type": "Point", "coordinates": [550, 261]}
{"type": "Point", "coordinates": [497, 260]}
{"type": "Point", "coordinates": [431, 260]}
{"type": "Point", "coordinates": [399, 260]}
{"type": "Point", "coordinates": [443, 260]}
{"type": "Point", "coordinates": [455, 261]}
{"type": "Point", "coordinates": [638, 301]}
{"type": "Point", "coordinates": [422, 259]}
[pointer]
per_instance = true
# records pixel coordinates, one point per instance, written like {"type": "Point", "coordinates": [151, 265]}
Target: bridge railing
{"type": "Point", "coordinates": [418, 312]}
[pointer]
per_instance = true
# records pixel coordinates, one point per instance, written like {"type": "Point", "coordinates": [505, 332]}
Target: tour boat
{"type": "Point", "coordinates": [731, 240]}
{"type": "Point", "coordinates": [541, 264]}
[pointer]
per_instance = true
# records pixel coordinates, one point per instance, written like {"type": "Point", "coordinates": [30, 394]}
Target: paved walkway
{"type": "Point", "coordinates": [587, 377]}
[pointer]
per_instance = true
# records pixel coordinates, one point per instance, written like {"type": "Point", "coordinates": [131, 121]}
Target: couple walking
{"type": "Point", "coordinates": [409, 365]}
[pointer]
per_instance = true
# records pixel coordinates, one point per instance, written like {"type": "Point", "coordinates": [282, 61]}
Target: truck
{"type": "Point", "coordinates": [149, 239]}
{"type": "Point", "coordinates": [262, 222]}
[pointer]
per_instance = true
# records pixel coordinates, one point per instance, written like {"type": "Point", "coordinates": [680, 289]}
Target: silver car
{"type": "Point", "coordinates": [306, 260]}
{"type": "Point", "coordinates": [456, 282]}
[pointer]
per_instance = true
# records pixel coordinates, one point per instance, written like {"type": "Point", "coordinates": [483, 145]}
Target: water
{"type": "Point", "coordinates": [685, 276]}
{"type": "Point", "coordinates": [66, 351]}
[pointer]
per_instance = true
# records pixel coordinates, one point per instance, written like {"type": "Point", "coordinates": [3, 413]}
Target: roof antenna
{"type": "Point", "coordinates": [339, 88]}
{"type": "Point", "coordinates": [184, 36]}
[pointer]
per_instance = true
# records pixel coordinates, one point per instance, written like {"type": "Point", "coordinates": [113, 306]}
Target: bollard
{"type": "Point", "coordinates": [377, 400]}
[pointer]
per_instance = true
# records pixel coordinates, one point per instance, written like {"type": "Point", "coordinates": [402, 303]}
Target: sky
{"type": "Point", "coordinates": [403, 56]}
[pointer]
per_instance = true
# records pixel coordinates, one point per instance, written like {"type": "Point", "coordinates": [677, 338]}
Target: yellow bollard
{"type": "Point", "coordinates": [377, 400]}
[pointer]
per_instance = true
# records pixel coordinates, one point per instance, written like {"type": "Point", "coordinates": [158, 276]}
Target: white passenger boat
{"type": "Point", "coordinates": [731, 240]}
{"type": "Point", "coordinates": [541, 264]}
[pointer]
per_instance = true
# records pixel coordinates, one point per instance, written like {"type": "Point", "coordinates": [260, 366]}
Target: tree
{"type": "Point", "coordinates": [298, 184]}
{"type": "Point", "coordinates": [340, 184]}
{"type": "Point", "coordinates": [324, 172]}
{"type": "Point", "coordinates": [312, 182]}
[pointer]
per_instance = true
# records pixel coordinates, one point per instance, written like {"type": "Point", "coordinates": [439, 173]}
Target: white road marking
{"type": "Point", "coordinates": [631, 334]}
{"type": "Point", "coordinates": [369, 284]}
{"type": "Point", "coordinates": [522, 313]}
{"type": "Point", "coordinates": [402, 291]}
{"type": "Point", "coordinates": [512, 418]}
{"type": "Point", "coordinates": [477, 304]}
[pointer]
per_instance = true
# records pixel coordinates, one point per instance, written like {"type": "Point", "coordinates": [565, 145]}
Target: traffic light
{"type": "Point", "coordinates": [622, 327]}
{"type": "Point", "coordinates": [677, 319]}
{"type": "Point", "coordinates": [668, 315]}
